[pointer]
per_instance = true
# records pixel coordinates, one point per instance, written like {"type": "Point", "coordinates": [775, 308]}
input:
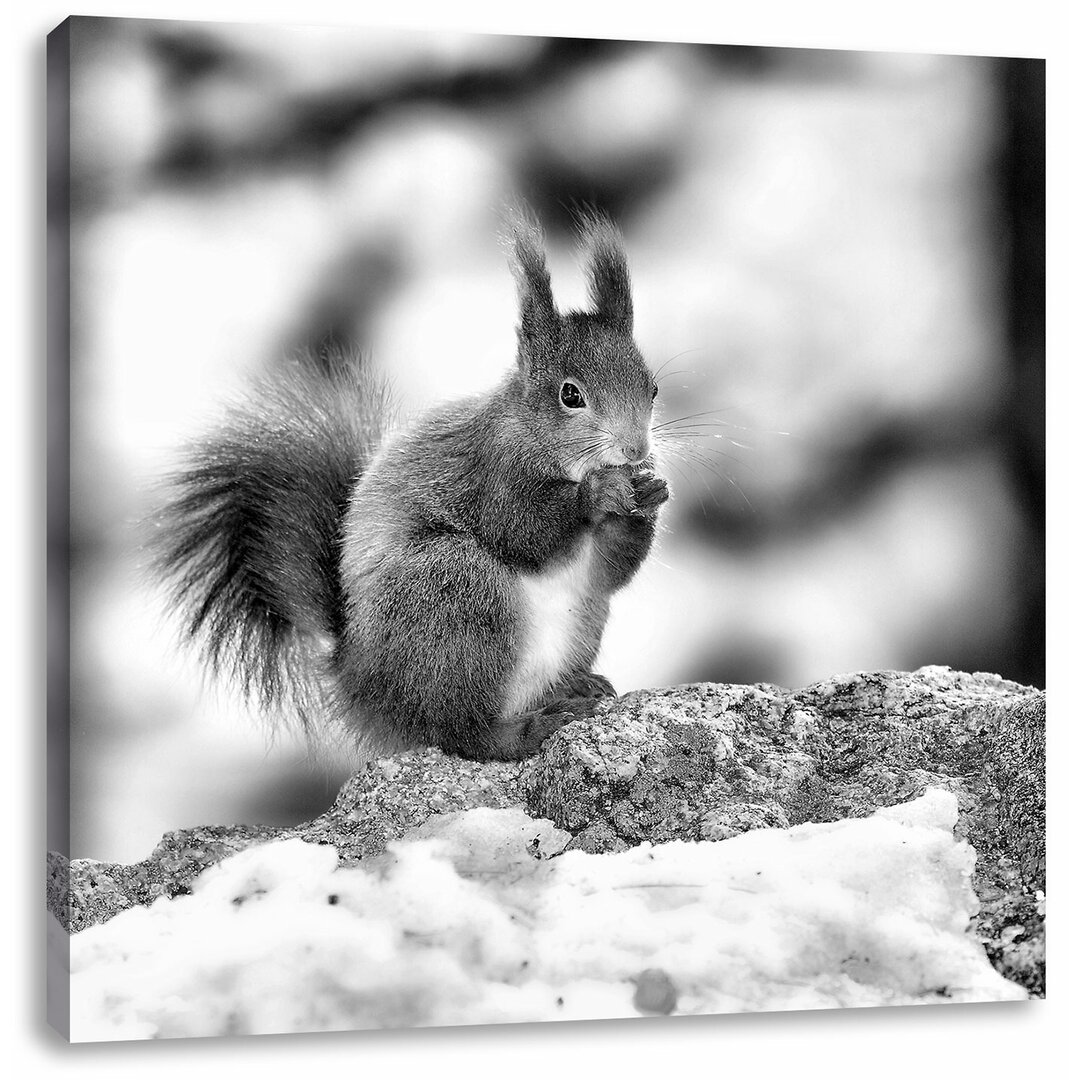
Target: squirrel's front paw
{"type": "Point", "coordinates": [650, 491]}
{"type": "Point", "coordinates": [611, 491]}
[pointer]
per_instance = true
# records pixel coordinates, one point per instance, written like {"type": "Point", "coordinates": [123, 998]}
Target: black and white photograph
{"type": "Point", "coordinates": [540, 528]}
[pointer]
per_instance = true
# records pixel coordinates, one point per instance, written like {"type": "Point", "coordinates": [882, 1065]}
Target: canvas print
{"type": "Point", "coordinates": [540, 529]}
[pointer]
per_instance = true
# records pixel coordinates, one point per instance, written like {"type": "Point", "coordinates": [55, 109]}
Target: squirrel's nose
{"type": "Point", "coordinates": [635, 451]}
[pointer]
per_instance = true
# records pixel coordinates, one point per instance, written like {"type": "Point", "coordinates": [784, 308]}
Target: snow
{"type": "Point", "coordinates": [480, 917]}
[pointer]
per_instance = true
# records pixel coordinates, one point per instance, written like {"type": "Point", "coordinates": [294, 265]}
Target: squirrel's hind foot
{"type": "Point", "coordinates": [538, 725]}
{"type": "Point", "coordinates": [585, 684]}
{"type": "Point", "coordinates": [518, 737]}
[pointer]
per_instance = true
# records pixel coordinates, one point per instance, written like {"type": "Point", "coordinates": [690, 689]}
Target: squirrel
{"type": "Point", "coordinates": [447, 585]}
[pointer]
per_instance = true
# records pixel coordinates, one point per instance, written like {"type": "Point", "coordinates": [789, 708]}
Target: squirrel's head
{"type": "Point", "coordinates": [581, 372]}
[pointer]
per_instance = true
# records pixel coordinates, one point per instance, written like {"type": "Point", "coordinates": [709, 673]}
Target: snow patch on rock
{"type": "Point", "coordinates": [482, 917]}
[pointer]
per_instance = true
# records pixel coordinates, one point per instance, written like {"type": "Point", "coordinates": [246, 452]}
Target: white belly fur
{"type": "Point", "coordinates": [551, 609]}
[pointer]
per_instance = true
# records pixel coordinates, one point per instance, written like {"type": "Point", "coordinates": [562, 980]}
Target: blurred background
{"type": "Point", "coordinates": [838, 255]}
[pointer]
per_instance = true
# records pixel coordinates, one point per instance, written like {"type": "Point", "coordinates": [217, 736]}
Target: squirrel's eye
{"type": "Point", "coordinates": [655, 391]}
{"type": "Point", "coordinates": [571, 396]}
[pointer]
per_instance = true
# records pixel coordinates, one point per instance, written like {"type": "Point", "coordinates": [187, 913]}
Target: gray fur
{"type": "Point", "coordinates": [417, 562]}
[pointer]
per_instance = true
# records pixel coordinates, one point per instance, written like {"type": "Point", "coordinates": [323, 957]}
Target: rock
{"type": "Point", "coordinates": [85, 892]}
{"type": "Point", "coordinates": [654, 992]}
{"type": "Point", "coordinates": [701, 762]}
{"type": "Point", "coordinates": [381, 802]}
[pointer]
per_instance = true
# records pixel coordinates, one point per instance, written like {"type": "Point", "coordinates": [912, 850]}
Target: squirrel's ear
{"type": "Point", "coordinates": [524, 241]}
{"type": "Point", "coordinates": [605, 265]}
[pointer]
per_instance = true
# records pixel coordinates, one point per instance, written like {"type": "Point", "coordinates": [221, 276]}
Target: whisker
{"type": "Point", "coordinates": [703, 435]}
{"type": "Point", "coordinates": [689, 483]}
{"type": "Point", "coordinates": [701, 493]}
{"type": "Point", "coordinates": [693, 432]}
{"type": "Point", "coordinates": [699, 454]}
{"type": "Point", "coordinates": [670, 374]}
{"type": "Point", "coordinates": [693, 416]}
{"type": "Point", "coordinates": [701, 449]}
{"type": "Point", "coordinates": [672, 359]}
{"type": "Point", "coordinates": [694, 454]}
{"type": "Point", "coordinates": [700, 425]}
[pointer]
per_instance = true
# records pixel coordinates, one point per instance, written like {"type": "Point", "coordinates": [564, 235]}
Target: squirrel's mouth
{"type": "Point", "coordinates": [632, 452]}
{"type": "Point", "coordinates": [628, 453]}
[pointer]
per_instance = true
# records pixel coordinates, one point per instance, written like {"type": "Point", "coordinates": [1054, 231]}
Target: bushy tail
{"type": "Point", "coordinates": [249, 543]}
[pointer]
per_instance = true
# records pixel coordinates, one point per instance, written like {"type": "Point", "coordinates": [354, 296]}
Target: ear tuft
{"type": "Point", "coordinates": [606, 268]}
{"type": "Point", "coordinates": [524, 242]}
